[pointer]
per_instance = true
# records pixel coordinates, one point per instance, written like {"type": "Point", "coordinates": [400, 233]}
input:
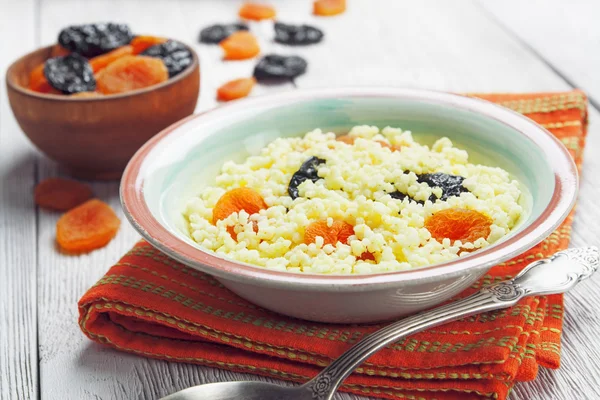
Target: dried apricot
{"type": "Point", "coordinates": [61, 194]}
{"type": "Point", "coordinates": [240, 45]}
{"type": "Point", "coordinates": [256, 12]}
{"type": "Point", "coordinates": [130, 73]}
{"type": "Point", "coordinates": [339, 231]}
{"type": "Point", "coordinates": [458, 224]}
{"type": "Point", "coordinates": [141, 43]}
{"type": "Point", "coordinates": [39, 83]}
{"type": "Point", "coordinates": [100, 62]}
{"type": "Point", "coordinates": [235, 89]}
{"type": "Point", "coordinates": [86, 227]}
{"type": "Point", "coordinates": [236, 200]}
{"type": "Point", "coordinates": [327, 8]}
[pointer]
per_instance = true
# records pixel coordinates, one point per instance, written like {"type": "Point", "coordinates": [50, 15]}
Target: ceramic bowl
{"type": "Point", "coordinates": [175, 164]}
{"type": "Point", "coordinates": [94, 138]}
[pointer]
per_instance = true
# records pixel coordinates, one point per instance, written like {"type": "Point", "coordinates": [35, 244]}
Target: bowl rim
{"type": "Point", "coordinates": [559, 206]}
{"type": "Point", "coordinates": [66, 98]}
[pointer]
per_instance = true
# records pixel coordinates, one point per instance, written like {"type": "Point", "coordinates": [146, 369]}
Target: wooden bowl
{"type": "Point", "coordinates": [94, 138]}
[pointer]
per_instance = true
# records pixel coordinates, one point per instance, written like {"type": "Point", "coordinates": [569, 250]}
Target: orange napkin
{"type": "Point", "coordinates": [153, 306]}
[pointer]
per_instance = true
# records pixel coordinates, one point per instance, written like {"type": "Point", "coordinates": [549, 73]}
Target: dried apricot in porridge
{"type": "Point", "coordinates": [328, 232]}
{"type": "Point", "coordinates": [370, 201]}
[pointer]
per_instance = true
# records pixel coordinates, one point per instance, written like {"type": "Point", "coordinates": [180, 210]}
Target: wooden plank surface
{"type": "Point", "coordinates": [18, 314]}
{"type": "Point", "coordinates": [431, 44]}
{"type": "Point", "coordinates": [565, 33]}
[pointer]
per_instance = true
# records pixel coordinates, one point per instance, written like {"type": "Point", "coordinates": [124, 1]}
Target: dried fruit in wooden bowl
{"type": "Point", "coordinates": [130, 73]}
{"type": "Point", "coordinates": [141, 43]}
{"type": "Point", "coordinates": [173, 54]}
{"type": "Point", "coordinates": [84, 51]}
{"type": "Point", "coordinates": [100, 62]}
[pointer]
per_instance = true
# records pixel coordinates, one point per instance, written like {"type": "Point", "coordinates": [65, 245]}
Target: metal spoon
{"type": "Point", "coordinates": [556, 274]}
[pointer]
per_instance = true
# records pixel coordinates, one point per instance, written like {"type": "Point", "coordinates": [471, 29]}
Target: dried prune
{"type": "Point", "coordinates": [308, 170]}
{"type": "Point", "coordinates": [174, 54]}
{"type": "Point", "coordinates": [451, 185]}
{"type": "Point", "coordinates": [91, 40]}
{"type": "Point", "coordinates": [400, 196]}
{"type": "Point", "coordinates": [297, 34]}
{"type": "Point", "coordinates": [274, 66]}
{"type": "Point", "coordinates": [70, 74]}
{"type": "Point", "coordinates": [214, 34]}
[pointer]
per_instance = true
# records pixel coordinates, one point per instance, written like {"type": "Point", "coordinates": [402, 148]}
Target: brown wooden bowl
{"type": "Point", "coordinates": [95, 137]}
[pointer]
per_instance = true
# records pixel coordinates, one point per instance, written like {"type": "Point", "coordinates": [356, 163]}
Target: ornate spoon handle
{"type": "Point", "coordinates": [556, 274]}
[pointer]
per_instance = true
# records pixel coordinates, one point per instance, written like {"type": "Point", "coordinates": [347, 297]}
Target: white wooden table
{"type": "Point", "coordinates": [508, 46]}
